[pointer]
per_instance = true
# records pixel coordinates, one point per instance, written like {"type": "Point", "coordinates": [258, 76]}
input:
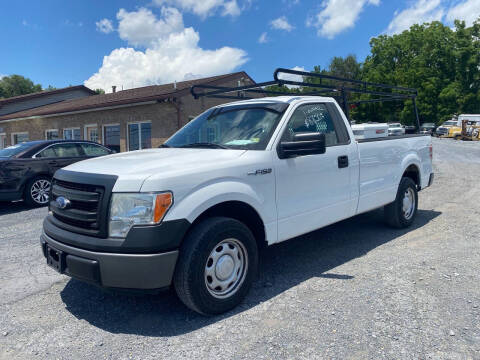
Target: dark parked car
{"type": "Point", "coordinates": [410, 129]}
{"type": "Point", "coordinates": [26, 169]}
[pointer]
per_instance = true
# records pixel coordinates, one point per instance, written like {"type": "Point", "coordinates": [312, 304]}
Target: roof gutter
{"type": "Point", "coordinates": [80, 111]}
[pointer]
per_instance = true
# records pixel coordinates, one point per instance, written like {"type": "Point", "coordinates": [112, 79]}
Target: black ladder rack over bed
{"type": "Point", "coordinates": [336, 87]}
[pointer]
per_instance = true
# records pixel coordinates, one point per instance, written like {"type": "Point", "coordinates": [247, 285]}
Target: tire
{"type": "Point", "coordinates": [398, 216]}
{"type": "Point", "coordinates": [206, 257]}
{"type": "Point", "coordinates": [37, 191]}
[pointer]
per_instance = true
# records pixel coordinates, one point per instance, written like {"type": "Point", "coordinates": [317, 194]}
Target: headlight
{"type": "Point", "coordinates": [129, 209]}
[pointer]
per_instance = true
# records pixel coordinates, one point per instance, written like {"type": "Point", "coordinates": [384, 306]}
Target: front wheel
{"type": "Point", "coordinates": [37, 191]}
{"type": "Point", "coordinates": [401, 213]}
{"type": "Point", "coordinates": [216, 267]}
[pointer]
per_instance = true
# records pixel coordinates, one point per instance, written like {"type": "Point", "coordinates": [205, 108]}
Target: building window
{"type": "Point", "coordinates": [111, 137]}
{"type": "Point", "coordinates": [139, 136]}
{"type": "Point", "coordinates": [91, 133]}
{"type": "Point", "coordinates": [18, 138]}
{"type": "Point", "coordinates": [71, 134]}
{"type": "Point", "coordinates": [51, 134]}
{"type": "Point", "coordinates": [3, 141]}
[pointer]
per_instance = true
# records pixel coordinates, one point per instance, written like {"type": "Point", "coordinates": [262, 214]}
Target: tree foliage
{"type": "Point", "coordinates": [442, 63]}
{"type": "Point", "coordinates": [15, 85]}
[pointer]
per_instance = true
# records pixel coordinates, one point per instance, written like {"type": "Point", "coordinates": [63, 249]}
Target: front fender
{"type": "Point", "coordinates": [201, 199]}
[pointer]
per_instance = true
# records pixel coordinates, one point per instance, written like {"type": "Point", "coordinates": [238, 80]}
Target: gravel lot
{"type": "Point", "coordinates": [354, 290]}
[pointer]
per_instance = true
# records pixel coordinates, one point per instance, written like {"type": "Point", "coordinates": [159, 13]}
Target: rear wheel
{"type": "Point", "coordinates": [401, 213]}
{"type": "Point", "coordinates": [37, 191]}
{"type": "Point", "coordinates": [217, 264]}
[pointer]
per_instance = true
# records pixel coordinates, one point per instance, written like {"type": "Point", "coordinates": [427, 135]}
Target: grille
{"type": "Point", "coordinates": [83, 212]}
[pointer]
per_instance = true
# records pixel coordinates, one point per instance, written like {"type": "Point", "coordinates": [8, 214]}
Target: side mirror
{"type": "Point", "coordinates": [302, 144]}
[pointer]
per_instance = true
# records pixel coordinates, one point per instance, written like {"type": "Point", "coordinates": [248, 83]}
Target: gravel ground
{"type": "Point", "coordinates": [354, 290]}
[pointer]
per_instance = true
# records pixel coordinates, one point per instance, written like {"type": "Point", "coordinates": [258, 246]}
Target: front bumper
{"type": "Point", "coordinates": [113, 270]}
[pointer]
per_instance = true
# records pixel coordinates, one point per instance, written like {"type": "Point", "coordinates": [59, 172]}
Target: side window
{"type": "Point", "coordinates": [94, 150]}
{"type": "Point", "coordinates": [67, 150]}
{"type": "Point", "coordinates": [311, 118]}
{"type": "Point", "coordinates": [47, 153]}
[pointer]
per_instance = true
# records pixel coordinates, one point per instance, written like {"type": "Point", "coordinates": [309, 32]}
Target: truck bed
{"type": "Point", "coordinates": [396, 137]}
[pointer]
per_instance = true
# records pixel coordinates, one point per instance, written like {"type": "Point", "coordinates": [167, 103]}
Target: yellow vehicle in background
{"type": "Point", "coordinates": [443, 130]}
{"type": "Point", "coordinates": [459, 130]}
{"type": "Point", "coordinates": [470, 130]}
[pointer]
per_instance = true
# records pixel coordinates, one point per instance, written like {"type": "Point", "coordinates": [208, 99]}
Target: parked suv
{"type": "Point", "coordinates": [26, 169]}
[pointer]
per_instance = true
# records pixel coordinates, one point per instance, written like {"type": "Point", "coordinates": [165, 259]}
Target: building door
{"type": "Point", "coordinates": [3, 141]}
{"type": "Point", "coordinates": [111, 137]}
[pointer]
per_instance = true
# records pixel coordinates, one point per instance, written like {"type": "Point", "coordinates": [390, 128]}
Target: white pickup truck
{"type": "Point", "coordinates": [195, 212]}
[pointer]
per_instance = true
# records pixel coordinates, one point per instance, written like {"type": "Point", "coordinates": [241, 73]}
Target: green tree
{"type": "Point", "coordinates": [15, 85]}
{"type": "Point", "coordinates": [443, 64]}
{"type": "Point", "coordinates": [99, 91]}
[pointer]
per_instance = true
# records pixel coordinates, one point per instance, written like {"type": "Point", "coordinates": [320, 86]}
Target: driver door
{"type": "Point", "coordinates": [314, 190]}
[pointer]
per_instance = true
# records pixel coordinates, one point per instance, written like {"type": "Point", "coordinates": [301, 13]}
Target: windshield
{"type": "Point", "coordinates": [450, 123]}
{"type": "Point", "coordinates": [234, 127]}
{"type": "Point", "coordinates": [394, 126]}
{"type": "Point", "coordinates": [11, 151]}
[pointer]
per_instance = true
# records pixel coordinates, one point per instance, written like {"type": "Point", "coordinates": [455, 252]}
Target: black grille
{"type": "Point", "coordinates": [82, 214]}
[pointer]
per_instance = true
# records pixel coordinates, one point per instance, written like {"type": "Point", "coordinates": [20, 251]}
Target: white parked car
{"type": "Point", "coordinates": [195, 212]}
{"type": "Point", "coordinates": [395, 129]}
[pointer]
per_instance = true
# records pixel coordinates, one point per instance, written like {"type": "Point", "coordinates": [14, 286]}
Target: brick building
{"type": "Point", "coordinates": [125, 120]}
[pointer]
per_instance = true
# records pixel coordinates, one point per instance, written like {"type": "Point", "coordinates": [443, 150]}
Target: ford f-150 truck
{"type": "Point", "coordinates": [195, 212]}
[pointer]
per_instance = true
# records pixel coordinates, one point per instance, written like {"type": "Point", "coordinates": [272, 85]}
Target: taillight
{"type": "Point", "coordinates": [430, 149]}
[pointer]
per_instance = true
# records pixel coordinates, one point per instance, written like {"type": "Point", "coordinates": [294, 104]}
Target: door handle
{"type": "Point", "coordinates": [342, 161]}
{"type": "Point", "coordinates": [52, 163]}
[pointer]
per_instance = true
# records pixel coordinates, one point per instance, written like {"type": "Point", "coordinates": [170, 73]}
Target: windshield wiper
{"type": "Point", "coordinates": [205, 144]}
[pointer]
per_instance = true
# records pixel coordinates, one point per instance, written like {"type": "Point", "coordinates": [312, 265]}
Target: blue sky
{"type": "Point", "coordinates": [135, 43]}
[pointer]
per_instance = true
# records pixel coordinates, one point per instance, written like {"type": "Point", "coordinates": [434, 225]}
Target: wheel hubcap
{"type": "Point", "coordinates": [40, 190]}
{"type": "Point", "coordinates": [226, 268]}
{"type": "Point", "coordinates": [408, 203]}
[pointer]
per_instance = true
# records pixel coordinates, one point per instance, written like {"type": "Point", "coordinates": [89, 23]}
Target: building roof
{"type": "Point", "coordinates": [141, 94]}
{"type": "Point", "coordinates": [44, 93]}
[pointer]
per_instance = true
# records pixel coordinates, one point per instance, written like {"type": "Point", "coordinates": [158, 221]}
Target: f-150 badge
{"type": "Point", "coordinates": [260, 172]}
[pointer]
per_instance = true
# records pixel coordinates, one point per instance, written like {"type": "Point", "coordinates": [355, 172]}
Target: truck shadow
{"type": "Point", "coordinates": [12, 207]}
{"type": "Point", "coordinates": [282, 267]}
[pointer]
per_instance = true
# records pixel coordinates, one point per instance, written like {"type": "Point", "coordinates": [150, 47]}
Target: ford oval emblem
{"type": "Point", "coordinates": [62, 202]}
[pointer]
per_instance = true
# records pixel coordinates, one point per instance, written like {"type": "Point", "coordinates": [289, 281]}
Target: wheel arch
{"type": "Point", "coordinates": [412, 171]}
{"type": "Point", "coordinates": [241, 211]}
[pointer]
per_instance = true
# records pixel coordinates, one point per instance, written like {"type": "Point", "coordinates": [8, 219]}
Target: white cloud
{"type": "Point", "coordinates": [292, 77]}
{"type": "Point", "coordinates": [263, 39]}
{"type": "Point", "coordinates": [281, 24]}
{"type": "Point", "coordinates": [204, 8]}
{"type": "Point", "coordinates": [469, 11]}
{"type": "Point", "coordinates": [420, 12]}
{"type": "Point", "coordinates": [142, 28]}
{"type": "Point", "coordinates": [105, 26]}
{"type": "Point", "coordinates": [337, 16]}
{"type": "Point", "coordinates": [171, 53]}
{"type": "Point", "coordinates": [231, 8]}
